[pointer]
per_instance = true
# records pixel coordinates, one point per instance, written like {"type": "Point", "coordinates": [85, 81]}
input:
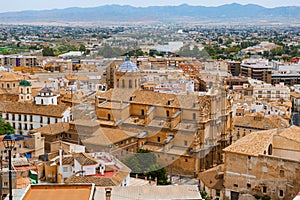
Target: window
{"type": "Point", "coordinates": [158, 139]}
{"type": "Point", "coordinates": [108, 117]}
{"type": "Point", "coordinates": [130, 83]}
{"type": "Point", "coordinates": [194, 116]}
{"type": "Point", "coordinates": [42, 101]}
{"type": "Point", "coordinates": [281, 173]}
{"type": "Point", "coordinates": [248, 186]}
{"type": "Point", "coordinates": [123, 83]}
{"type": "Point", "coordinates": [264, 189]}
{"type": "Point", "coordinates": [235, 185]}
{"type": "Point", "coordinates": [186, 160]}
{"type": "Point", "coordinates": [30, 118]}
{"type": "Point", "coordinates": [270, 149]}
{"type": "Point", "coordinates": [281, 193]}
{"type": "Point", "coordinates": [168, 113]}
{"type": "Point", "coordinates": [27, 90]}
{"type": "Point", "coordinates": [143, 112]}
{"type": "Point", "coordinates": [185, 143]}
{"type": "Point", "coordinates": [65, 169]}
{"type": "Point", "coordinates": [5, 184]}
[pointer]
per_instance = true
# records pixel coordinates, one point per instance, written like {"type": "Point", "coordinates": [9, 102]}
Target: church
{"type": "Point", "coordinates": [186, 131]}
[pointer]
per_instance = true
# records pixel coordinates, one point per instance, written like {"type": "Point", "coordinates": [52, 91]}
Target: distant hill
{"type": "Point", "coordinates": [184, 12]}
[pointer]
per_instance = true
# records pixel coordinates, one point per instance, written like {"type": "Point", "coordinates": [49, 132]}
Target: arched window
{"type": "Point", "coordinates": [123, 83]}
{"type": "Point", "coordinates": [27, 90]}
{"type": "Point", "coordinates": [21, 90]}
{"type": "Point", "coordinates": [130, 83]}
{"type": "Point", "coordinates": [135, 83]}
{"type": "Point", "coordinates": [270, 149]}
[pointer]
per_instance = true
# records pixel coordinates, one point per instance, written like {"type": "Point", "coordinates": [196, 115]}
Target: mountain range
{"type": "Point", "coordinates": [181, 13]}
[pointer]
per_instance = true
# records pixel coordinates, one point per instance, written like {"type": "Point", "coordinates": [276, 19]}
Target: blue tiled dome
{"type": "Point", "coordinates": [128, 66]}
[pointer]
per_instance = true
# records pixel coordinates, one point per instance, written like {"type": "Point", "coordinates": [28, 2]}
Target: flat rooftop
{"type": "Point", "coordinates": [59, 192]}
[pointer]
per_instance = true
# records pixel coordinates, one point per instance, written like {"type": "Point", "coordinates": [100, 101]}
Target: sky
{"type": "Point", "coordinates": [18, 5]}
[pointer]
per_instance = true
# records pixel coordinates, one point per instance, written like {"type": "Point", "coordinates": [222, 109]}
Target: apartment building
{"type": "Point", "coordinates": [258, 72]}
{"type": "Point", "coordinates": [271, 93]}
{"type": "Point", "coordinates": [18, 61]}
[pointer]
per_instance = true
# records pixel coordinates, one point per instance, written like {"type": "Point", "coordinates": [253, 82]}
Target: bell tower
{"type": "Point", "coordinates": [25, 91]}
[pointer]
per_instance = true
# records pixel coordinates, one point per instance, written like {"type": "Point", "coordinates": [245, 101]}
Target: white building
{"type": "Point", "coordinates": [90, 167]}
{"type": "Point", "coordinates": [27, 115]}
{"type": "Point", "coordinates": [46, 97]}
{"type": "Point", "coordinates": [271, 93]}
{"type": "Point", "coordinates": [24, 116]}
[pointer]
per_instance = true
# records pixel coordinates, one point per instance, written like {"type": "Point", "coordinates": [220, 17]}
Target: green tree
{"type": "Point", "coordinates": [185, 51]}
{"type": "Point", "coordinates": [82, 48]}
{"type": "Point", "coordinates": [144, 163]}
{"type": "Point", "coordinates": [5, 127]}
{"type": "Point", "coordinates": [47, 51]}
{"type": "Point", "coordinates": [156, 170]}
{"type": "Point", "coordinates": [204, 195]}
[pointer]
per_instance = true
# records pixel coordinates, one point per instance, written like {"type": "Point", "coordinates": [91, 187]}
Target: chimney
{"type": "Point", "coordinates": [102, 170]}
{"type": "Point", "coordinates": [108, 193]}
{"type": "Point", "coordinates": [60, 157]}
{"type": "Point", "coordinates": [60, 165]}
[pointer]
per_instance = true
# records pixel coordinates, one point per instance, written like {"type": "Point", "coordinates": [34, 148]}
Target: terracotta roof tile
{"type": "Point", "coordinates": [98, 181]}
{"type": "Point", "coordinates": [28, 108]}
{"type": "Point", "coordinates": [85, 159]}
{"type": "Point", "coordinates": [52, 129]}
{"type": "Point", "coordinates": [107, 136]}
{"type": "Point", "coordinates": [253, 144]}
{"type": "Point", "coordinates": [259, 121]}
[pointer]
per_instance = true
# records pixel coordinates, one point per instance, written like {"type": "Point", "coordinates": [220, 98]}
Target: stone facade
{"type": "Point", "coordinates": [265, 163]}
{"type": "Point", "coordinates": [186, 131]}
